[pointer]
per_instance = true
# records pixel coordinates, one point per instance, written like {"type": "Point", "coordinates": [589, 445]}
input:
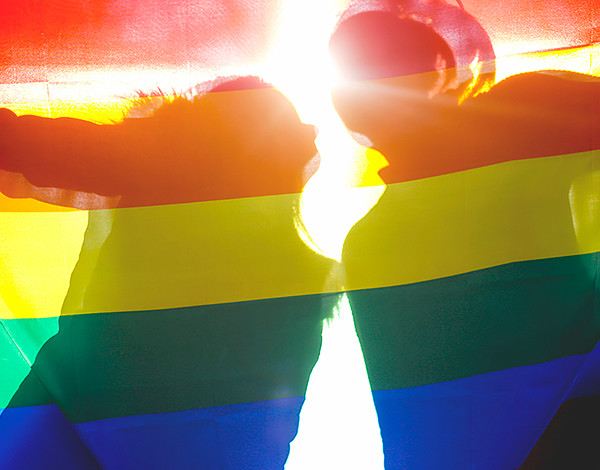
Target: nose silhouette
{"type": "Point", "coordinates": [313, 131]}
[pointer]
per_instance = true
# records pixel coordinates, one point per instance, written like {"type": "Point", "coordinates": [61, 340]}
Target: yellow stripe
{"type": "Point", "coordinates": [101, 111]}
{"type": "Point", "coordinates": [244, 249]}
{"type": "Point", "coordinates": [8, 204]}
{"type": "Point", "coordinates": [461, 222]}
{"type": "Point", "coordinates": [37, 254]}
{"type": "Point", "coordinates": [160, 257]}
{"type": "Point", "coordinates": [585, 60]}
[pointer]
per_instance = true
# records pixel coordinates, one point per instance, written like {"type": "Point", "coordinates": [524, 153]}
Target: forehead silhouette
{"type": "Point", "coordinates": [375, 45]}
{"type": "Point", "coordinates": [241, 83]}
{"type": "Point", "coordinates": [233, 110]}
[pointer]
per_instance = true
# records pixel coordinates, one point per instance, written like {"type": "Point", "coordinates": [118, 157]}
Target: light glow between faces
{"type": "Point", "coordinates": [300, 66]}
{"type": "Point", "coordinates": [338, 425]}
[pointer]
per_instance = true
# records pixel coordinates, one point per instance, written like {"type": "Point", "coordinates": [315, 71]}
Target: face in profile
{"type": "Point", "coordinates": [263, 131]}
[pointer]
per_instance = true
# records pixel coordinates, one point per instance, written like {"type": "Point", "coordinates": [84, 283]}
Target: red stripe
{"type": "Point", "coordinates": [59, 34]}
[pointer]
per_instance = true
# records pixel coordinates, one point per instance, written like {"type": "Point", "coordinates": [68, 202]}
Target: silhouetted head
{"type": "Point", "coordinates": [470, 44]}
{"type": "Point", "coordinates": [377, 44]}
{"type": "Point", "coordinates": [390, 68]}
{"type": "Point", "coordinates": [243, 133]}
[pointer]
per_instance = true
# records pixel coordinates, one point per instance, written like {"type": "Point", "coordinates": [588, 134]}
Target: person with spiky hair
{"type": "Point", "coordinates": [179, 153]}
{"type": "Point", "coordinates": [187, 337]}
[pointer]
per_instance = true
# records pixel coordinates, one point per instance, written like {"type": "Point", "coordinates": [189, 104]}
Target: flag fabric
{"type": "Point", "coordinates": [161, 305]}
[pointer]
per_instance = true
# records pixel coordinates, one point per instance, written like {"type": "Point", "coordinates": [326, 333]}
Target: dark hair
{"type": "Point", "coordinates": [379, 44]}
{"type": "Point", "coordinates": [239, 83]}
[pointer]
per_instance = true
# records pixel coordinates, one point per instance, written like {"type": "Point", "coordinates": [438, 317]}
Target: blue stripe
{"type": "Point", "coordinates": [587, 382]}
{"type": "Point", "coordinates": [485, 422]}
{"type": "Point", "coordinates": [251, 436]}
{"type": "Point", "coordinates": [40, 438]}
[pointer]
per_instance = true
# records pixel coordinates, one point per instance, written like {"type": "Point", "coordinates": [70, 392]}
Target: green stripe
{"type": "Point", "coordinates": [13, 369]}
{"type": "Point", "coordinates": [118, 364]}
{"type": "Point", "coordinates": [507, 316]}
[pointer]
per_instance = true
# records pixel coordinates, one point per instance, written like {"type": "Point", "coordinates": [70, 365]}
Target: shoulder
{"type": "Point", "coordinates": [7, 117]}
{"type": "Point", "coordinates": [544, 88]}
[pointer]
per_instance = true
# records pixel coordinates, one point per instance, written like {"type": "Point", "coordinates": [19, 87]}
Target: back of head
{"type": "Point", "coordinates": [390, 67]}
{"type": "Point", "coordinates": [377, 44]}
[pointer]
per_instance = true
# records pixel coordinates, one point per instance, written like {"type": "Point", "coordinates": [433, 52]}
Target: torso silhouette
{"type": "Point", "coordinates": [479, 257]}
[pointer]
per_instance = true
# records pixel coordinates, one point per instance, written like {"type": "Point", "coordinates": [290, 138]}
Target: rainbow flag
{"type": "Point", "coordinates": [162, 301]}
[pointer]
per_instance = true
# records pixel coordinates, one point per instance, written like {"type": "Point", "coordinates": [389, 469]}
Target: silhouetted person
{"type": "Point", "coordinates": [155, 160]}
{"type": "Point", "coordinates": [153, 366]}
{"type": "Point", "coordinates": [429, 345]}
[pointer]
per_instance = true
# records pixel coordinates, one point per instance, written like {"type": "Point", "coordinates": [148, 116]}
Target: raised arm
{"type": "Point", "coordinates": [62, 153]}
